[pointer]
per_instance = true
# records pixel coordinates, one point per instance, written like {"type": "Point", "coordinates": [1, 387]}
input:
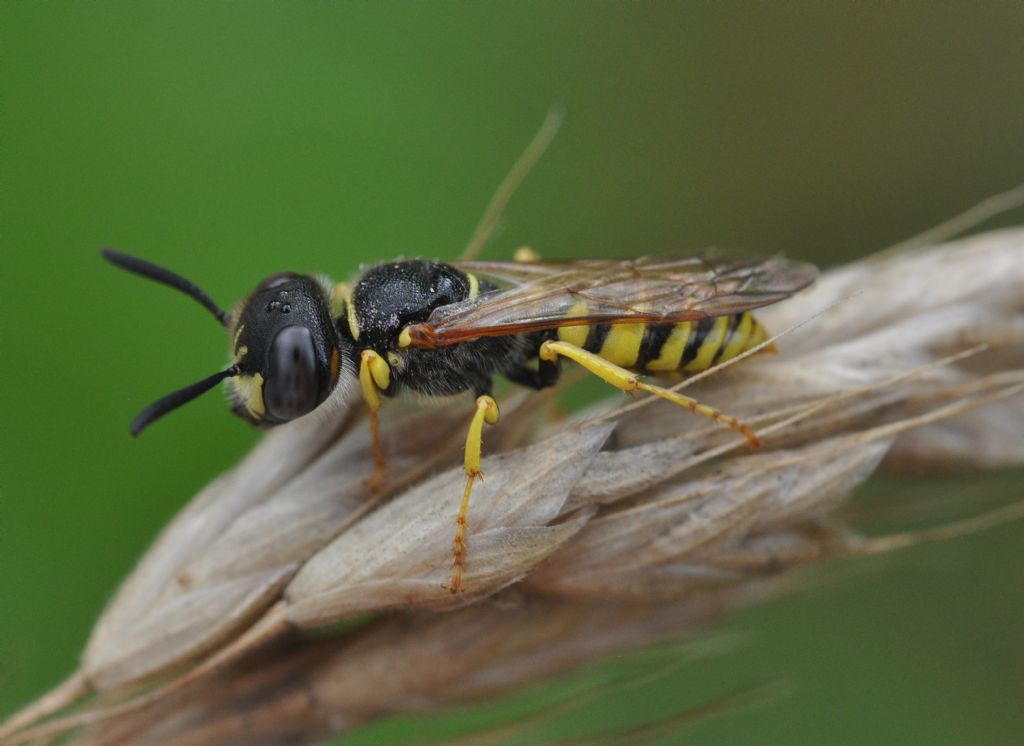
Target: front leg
{"type": "Point", "coordinates": [374, 377]}
{"type": "Point", "coordinates": [486, 411]}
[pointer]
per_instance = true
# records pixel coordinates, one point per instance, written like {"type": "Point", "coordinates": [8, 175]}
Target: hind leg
{"type": "Point", "coordinates": [629, 382]}
{"type": "Point", "coordinates": [544, 376]}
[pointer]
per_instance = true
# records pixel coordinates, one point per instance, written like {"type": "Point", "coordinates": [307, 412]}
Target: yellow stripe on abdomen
{"type": "Point", "coordinates": [687, 347]}
{"type": "Point", "coordinates": [692, 347]}
{"type": "Point", "coordinates": [577, 334]}
{"type": "Point", "coordinates": [712, 341]}
{"type": "Point", "coordinates": [737, 341]}
{"type": "Point", "coordinates": [671, 354]}
{"type": "Point", "coordinates": [622, 345]}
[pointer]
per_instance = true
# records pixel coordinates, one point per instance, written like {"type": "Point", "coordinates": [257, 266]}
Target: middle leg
{"type": "Point", "coordinates": [486, 411]}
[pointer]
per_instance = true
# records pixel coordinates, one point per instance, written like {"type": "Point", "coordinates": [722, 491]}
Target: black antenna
{"type": "Point", "coordinates": [153, 272]}
{"type": "Point", "coordinates": [172, 401]}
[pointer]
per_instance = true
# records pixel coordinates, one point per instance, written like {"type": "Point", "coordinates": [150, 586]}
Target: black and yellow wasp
{"type": "Point", "coordinates": [446, 328]}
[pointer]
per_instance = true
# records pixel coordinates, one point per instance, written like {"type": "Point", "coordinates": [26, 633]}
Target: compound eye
{"type": "Point", "coordinates": [292, 387]}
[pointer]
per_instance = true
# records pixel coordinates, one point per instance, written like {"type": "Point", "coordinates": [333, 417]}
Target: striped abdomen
{"type": "Point", "coordinates": [687, 347]}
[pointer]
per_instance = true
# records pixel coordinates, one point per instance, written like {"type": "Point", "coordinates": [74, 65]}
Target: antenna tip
{"type": "Point", "coordinates": [118, 258]}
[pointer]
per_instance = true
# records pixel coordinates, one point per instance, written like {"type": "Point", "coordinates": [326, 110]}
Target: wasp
{"type": "Point", "coordinates": [442, 329]}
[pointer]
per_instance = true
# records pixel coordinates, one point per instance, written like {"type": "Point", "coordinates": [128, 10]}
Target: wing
{"type": "Point", "coordinates": [546, 295]}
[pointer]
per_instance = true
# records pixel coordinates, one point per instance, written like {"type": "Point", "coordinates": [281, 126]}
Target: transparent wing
{"type": "Point", "coordinates": [546, 295]}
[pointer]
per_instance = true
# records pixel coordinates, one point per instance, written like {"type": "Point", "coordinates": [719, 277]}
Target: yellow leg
{"type": "Point", "coordinates": [486, 411]}
{"type": "Point", "coordinates": [374, 377]}
{"type": "Point", "coordinates": [627, 381]}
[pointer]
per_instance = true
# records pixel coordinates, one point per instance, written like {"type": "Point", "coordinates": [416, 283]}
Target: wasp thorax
{"type": "Point", "coordinates": [286, 348]}
{"type": "Point", "coordinates": [390, 296]}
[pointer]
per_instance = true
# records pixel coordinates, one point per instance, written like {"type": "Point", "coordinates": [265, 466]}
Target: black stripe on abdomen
{"type": "Point", "coordinates": [734, 321]}
{"type": "Point", "coordinates": [696, 340]}
{"type": "Point", "coordinates": [596, 336]}
{"type": "Point", "coordinates": [655, 337]}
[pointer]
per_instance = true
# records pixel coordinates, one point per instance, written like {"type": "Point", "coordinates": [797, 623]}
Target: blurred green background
{"type": "Point", "coordinates": [232, 140]}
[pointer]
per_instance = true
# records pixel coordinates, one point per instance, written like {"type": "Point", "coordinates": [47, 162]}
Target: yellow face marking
{"type": "Point", "coordinates": [739, 339]}
{"type": "Point", "coordinates": [238, 333]}
{"type": "Point", "coordinates": [474, 285]}
{"type": "Point", "coordinates": [622, 345]}
{"type": "Point", "coordinates": [240, 353]}
{"type": "Point", "coordinates": [404, 338]}
{"type": "Point", "coordinates": [575, 335]}
{"type": "Point", "coordinates": [672, 351]}
{"type": "Point", "coordinates": [709, 346]}
{"type": "Point", "coordinates": [250, 389]}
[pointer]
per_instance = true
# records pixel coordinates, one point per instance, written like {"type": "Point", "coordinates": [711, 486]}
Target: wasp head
{"type": "Point", "coordinates": [286, 350]}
